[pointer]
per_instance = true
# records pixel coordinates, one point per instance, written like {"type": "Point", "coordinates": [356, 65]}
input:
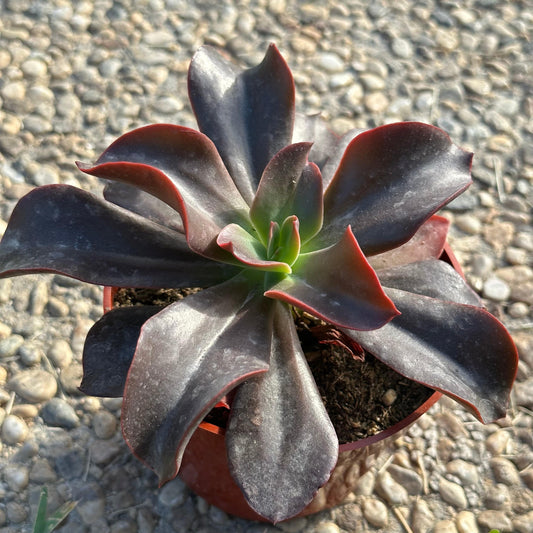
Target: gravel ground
{"type": "Point", "coordinates": [75, 75]}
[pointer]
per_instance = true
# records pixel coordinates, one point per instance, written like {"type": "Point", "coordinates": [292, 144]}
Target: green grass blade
{"type": "Point", "coordinates": [40, 520]}
{"type": "Point", "coordinates": [59, 516]}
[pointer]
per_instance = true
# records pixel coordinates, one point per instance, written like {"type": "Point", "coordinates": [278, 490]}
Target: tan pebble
{"type": "Point", "coordinates": [5, 331]}
{"type": "Point", "coordinates": [375, 512]}
{"type": "Point", "coordinates": [25, 410]}
{"type": "Point", "coordinates": [466, 522]}
{"type": "Point", "coordinates": [445, 526]}
{"type": "Point", "coordinates": [497, 442]}
{"type": "Point", "coordinates": [104, 424]}
{"type": "Point", "coordinates": [505, 471]}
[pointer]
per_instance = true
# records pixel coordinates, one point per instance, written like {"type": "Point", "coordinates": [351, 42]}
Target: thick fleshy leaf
{"type": "Point", "coordinates": [337, 285]}
{"type": "Point", "coordinates": [63, 229]}
{"type": "Point", "coordinates": [280, 441]}
{"type": "Point", "coordinates": [314, 129]}
{"type": "Point", "coordinates": [427, 243]}
{"type": "Point", "coordinates": [390, 181]}
{"type": "Point", "coordinates": [109, 349]}
{"type": "Point", "coordinates": [249, 114]}
{"type": "Point", "coordinates": [248, 250]}
{"type": "Point", "coordinates": [182, 168]}
{"type": "Point", "coordinates": [289, 186]}
{"type": "Point", "coordinates": [188, 357]}
{"type": "Point", "coordinates": [336, 154]}
{"type": "Point", "coordinates": [143, 203]}
{"type": "Point", "coordinates": [432, 278]}
{"type": "Point", "coordinates": [459, 350]}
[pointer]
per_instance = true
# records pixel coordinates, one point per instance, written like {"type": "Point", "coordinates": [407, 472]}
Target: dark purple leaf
{"type": "Point", "coordinates": [391, 180]}
{"type": "Point", "coordinates": [182, 168]}
{"type": "Point", "coordinates": [280, 441]}
{"type": "Point", "coordinates": [188, 357]}
{"type": "Point", "coordinates": [63, 229]}
{"type": "Point", "coordinates": [337, 285]}
{"type": "Point", "coordinates": [314, 129]}
{"type": "Point", "coordinates": [144, 204]}
{"type": "Point", "coordinates": [432, 278]}
{"type": "Point", "coordinates": [248, 250]}
{"type": "Point", "coordinates": [289, 186]}
{"type": "Point", "coordinates": [427, 243]}
{"type": "Point", "coordinates": [249, 114]}
{"type": "Point", "coordinates": [109, 349]}
{"type": "Point", "coordinates": [459, 350]}
{"type": "Point", "coordinates": [336, 154]}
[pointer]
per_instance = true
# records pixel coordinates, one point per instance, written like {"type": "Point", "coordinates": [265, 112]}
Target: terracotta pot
{"type": "Point", "coordinates": [205, 468]}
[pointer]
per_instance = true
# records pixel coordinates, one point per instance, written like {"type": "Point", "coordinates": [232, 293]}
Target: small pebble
{"type": "Point", "coordinates": [452, 493]}
{"type": "Point", "coordinates": [60, 354]}
{"type": "Point", "coordinates": [389, 397]}
{"type": "Point", "coordinates": [104, 424]}
{"type": "Point", "coordinates": [495, 520]}
{"type": "Point", "coordinates": [375, 512]}
{"type": "Point", "coordinates": [14, 430]}
{"type": "Point", "coordinates": [58, 413]}
{"type": "Point", "coordinates": [465, 522]}
{"type": "Point", "coordinates": [34, 385]}
{"type": "Point", "coordinates": [445, 526]}
{"type": "Point", "coordinates": [16, 476]}
{"type": "Point", "coordinates": [505, 471]}
{"type": "Point", "coordinates": [496, 289]}
{"type": "Point", "coordinates": [392, 491]}
{"type": "Point", "coordinates": [10, 346]}
{"type": "Point", "coordinates": [173, 493]}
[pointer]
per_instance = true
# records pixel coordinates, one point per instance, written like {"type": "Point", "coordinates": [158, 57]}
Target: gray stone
{"type": "Point", "coordinates": [17, 477]}
{"type": "Point", "coordinates": [57, 412]}
{"type": "Point", "coordinates": [10, 346]}
{"type": "Point", "coordinates": [173, 494]}
{"type": "Point", "coordinates": [402, 48]}
{"type": "Point", "coordinates": [30, 354]}
{"type": "Point", "coordinates": [42, 471]}
{"type": "Point", "coordinates": [104, 451]}
{"type": "Point", "coordinates": [16, 512]}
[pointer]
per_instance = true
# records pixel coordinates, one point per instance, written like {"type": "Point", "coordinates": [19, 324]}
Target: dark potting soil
{"type": "Point", "coordinates": [362, 395]}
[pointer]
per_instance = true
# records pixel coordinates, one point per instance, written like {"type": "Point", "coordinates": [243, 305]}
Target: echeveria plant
{"type": "Point", "coordinates": [264, 212]}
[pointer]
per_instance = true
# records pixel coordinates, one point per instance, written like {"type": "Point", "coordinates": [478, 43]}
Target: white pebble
{"type": "Point", "coordinates": [14, 430]}
{"type": "Point", "coordinates": [496, 289]}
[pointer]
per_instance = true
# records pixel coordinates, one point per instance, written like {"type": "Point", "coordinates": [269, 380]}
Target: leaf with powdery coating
{"type": "Point", "coordinates": [181, 369]}
{"type": "Point", "coordinates": [280, 439]}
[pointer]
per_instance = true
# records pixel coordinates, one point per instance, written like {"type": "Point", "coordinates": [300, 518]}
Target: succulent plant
{"type": "Point", "coordinates": [265, 211]}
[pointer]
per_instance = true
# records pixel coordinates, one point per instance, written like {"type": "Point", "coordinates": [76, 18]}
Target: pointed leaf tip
{"type": "Point", "coordinates": [338, 285]}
